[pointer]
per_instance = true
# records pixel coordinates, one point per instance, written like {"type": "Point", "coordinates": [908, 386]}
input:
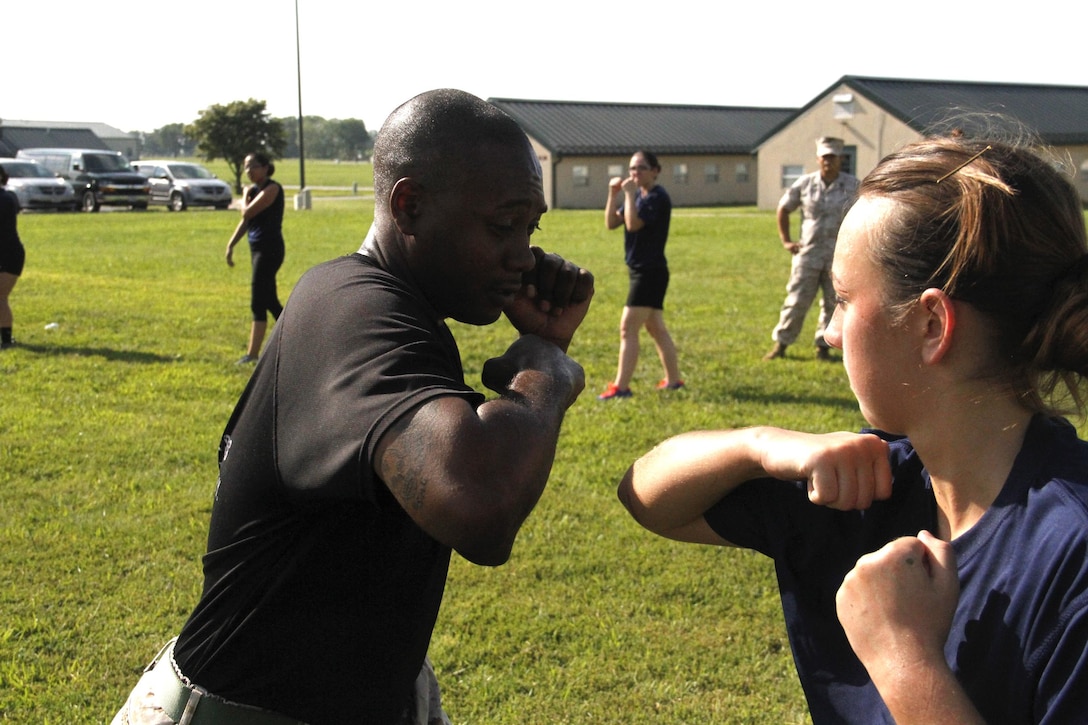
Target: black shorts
{"type": "Point", "coordinates": [12, 260]}
{"type": "Point", "coordinates": [647, 287]}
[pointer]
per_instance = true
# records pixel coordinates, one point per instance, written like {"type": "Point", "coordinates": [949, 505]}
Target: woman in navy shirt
{"type": "Point", "coordinates": [935, 572]}
{"type": "Point", "coordinates": [643, 208]}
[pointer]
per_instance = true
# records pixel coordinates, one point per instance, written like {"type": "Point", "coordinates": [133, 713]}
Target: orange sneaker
{"type": "Point", "coordinates": [666, 385]}
{"type": "Point", "coordinates": [613, 391]}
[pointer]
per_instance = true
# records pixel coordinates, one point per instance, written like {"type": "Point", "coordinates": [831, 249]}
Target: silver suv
{"type": "Point", "coordinates": [182, 184]}
{"type": "Point", "coordinates": [36, 187]}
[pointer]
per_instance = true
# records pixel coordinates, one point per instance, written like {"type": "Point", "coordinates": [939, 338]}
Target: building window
{"type": "Point", "coordinates": [742, 173]}
{"type": "Point", "coordinates": [790, 174]}
{"type": "Point", "coordinates": [711, 173]}
{"type": "Point", "coordinates": [680, 173]}
{"type": "Point", "coordinates": [580, 175]}
{"type": "Point", "coordinates": [849, 160]}
{"type": "Point", "coordinates": [615, 170]}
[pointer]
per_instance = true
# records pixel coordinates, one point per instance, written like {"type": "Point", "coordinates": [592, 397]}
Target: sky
{"type": "Point", "coordinates": [139, 65]}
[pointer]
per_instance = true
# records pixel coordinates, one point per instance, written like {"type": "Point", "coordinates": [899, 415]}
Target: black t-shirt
{"type": "Point", "coordinates": [9, 231]}
{"type": "Point", "coordinates": [265, 231]}
{"type": "Point", "coordinates": [320, 593]}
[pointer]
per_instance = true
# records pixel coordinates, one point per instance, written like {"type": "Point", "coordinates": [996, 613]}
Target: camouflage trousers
{"type": "Point", "coordinates": [144, 705]}
{"type": "Point", "coordinates": [801, 290]}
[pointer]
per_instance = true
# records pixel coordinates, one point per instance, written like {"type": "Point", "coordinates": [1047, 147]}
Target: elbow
{"type": "Point", "coordinates": [625, 491]}
{"type": "Point", "coordinates": [486, 555]}
{"type": "Point", "coordinates": [485, 550]}
{"type": "Point", "coordinates": [654, 518]}
{"type": "Point", "coordinates": [486, 535]}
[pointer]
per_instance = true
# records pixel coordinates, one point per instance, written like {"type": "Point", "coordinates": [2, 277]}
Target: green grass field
{"type": "Point", "coordinates": [319, 173]}
{"type": "Point", "coordinates": [109, 423]}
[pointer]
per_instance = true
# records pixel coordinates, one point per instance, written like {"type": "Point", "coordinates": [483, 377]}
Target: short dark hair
{"type": "Point", "coordinates": [433, 135]}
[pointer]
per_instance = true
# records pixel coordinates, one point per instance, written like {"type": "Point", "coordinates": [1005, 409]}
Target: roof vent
{"type": "Point", "coordinates": [844, 106]}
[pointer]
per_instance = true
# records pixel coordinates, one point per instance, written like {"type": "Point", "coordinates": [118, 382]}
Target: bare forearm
{"type": "Point", "coordinates": [469, 477]}
{"type": "Point", "coordinates": [612, 217]}
{"type": "Point", "coordinates": [516, 440]}
{"type": "Point", "coordinates": [631, 220]}
{"type": "Point", "coordinates": [925, 696]}
{"type": "Point", "coordinates": [522, 427]}
{"type": "Point", "coordinates": [239, 232]}
{"type": "Point", "coordinates": [680, 479]}
{"type": "Point", "coordinates": [783, 218]}
{"type": "Point", "coordinates": [674, 484]}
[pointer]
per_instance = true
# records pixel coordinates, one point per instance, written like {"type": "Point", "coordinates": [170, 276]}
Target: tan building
{"type": "Point", "coordinates": [875, 116]}
{"type": "Point", "coordinates": [706, 152]}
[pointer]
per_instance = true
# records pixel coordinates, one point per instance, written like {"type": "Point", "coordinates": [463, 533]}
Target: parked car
{"type": "Point", "coordinates": [36, 187]}
{"type": "Point", "coordinates": [99, 177]}
{"type": "Point", "coordinates": [181, 184]}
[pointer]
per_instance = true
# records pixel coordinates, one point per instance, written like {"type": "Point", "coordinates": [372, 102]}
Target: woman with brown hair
{"type": "Point", "coordinates": [934, 571]}
{"type": "Point", "coordinates": [643, 208]}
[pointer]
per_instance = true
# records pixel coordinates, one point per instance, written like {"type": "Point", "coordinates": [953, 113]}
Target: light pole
{"type": "Point", "coordinates": [303, 198]}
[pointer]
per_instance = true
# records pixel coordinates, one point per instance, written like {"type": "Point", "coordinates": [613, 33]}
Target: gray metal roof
{"type": "Point", "coordinates": [102, 130]}
{"type": "Point", "coordinates": [574, 128]}
{"type": "Point", "coordinates": [15, 138]}
{"type": "Point", "coordinates": [1059, 114]}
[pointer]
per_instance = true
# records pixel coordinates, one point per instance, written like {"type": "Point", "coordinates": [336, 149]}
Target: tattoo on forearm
{"type": "Point", "coordinates": [405, 473]}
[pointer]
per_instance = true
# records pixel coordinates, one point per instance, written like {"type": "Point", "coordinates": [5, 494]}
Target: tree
{"type": "Point", "coordinates": [328, 139]}
{"type": "Point", "coordinates": [353, 137]}
{"type": "Point", "coordinates": [234, 131]}
{"type": "Point", "coordinates": [170, 140]}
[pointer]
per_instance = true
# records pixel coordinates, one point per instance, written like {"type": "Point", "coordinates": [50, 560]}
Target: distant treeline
{"type": "Point", "coordinates": [346, 139]}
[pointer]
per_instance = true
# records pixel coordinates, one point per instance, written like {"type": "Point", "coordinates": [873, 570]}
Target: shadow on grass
{"type": "Point", "coordinates": [845, 402]}
{"type": "Point", "coordinates": [130, 356]}
{"type": "Point", "coordinates": [749, 394]}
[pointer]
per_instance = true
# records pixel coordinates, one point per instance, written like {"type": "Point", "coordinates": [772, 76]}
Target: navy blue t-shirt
{"type": "Point", "coordinates": [1019, 639]}
{"type": "Point", "coordinates": [645, 249]}
{"type": "Point", "coordinates": [265, 231]}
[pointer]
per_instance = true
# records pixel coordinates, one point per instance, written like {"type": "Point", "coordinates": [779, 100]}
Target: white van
{"type": "Point", "coordinates": [100, 177]}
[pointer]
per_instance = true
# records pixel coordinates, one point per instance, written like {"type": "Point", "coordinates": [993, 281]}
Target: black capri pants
{"type": "Point", "coordinates": [263, 295]}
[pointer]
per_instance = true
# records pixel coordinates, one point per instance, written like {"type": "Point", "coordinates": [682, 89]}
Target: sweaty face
{"type": "Point", "coordinates": [830, 166]}
{"type": "Point", "coordinates": [255, 171]}
{"type": "Point", "coordinates": [472, 240]}
{"type": "Point", "coordinates": [876, 349]}
{"type": "Point", "coordinates": [641, 172]}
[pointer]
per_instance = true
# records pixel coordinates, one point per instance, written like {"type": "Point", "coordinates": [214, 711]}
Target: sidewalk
{"type": "Point", "coordinates": [366, 193]}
